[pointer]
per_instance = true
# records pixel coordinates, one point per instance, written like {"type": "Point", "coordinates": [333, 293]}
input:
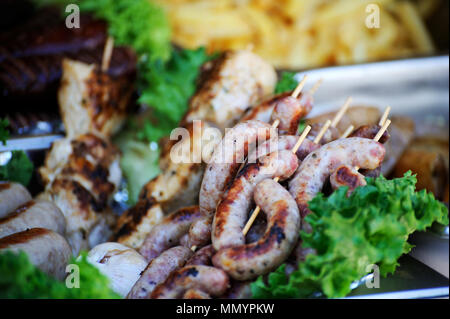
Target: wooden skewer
{"type": "Point", "coordinates": [380, 134]}
{"type": "Point", "coordinates": [341, 112]}
{"type": "Point", "coordinates": [107, 53]}
{"type": "Point", "coordinates": [315, 87]}
{"type": "Point", "coordinates": [347, 131]}
{"type": "Point", "coordinates": [299, 87]}
{"type": "Point", "coordinates": [276, 179]}
{"type": "Point", "coordinates": [384, 116]}
{"type": "Point", "coordinates": [294, 94]}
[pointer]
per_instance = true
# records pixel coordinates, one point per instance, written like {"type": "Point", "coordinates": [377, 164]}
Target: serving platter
{"type": "Point", "coordinates": [418, 88]}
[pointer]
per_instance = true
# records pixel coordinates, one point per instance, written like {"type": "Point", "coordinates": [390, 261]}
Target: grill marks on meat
{"type": "Point", "coordinates": [209, 280]}
{"type": "Point", "coordinates": [320, 164]}
{"type": "Point", "coordinates": [158, 270]}
{"type": "Point", "coordinates": [135, 224]}
{"type": "Point", "coordinates": [169, 232]}
{"type": "Point", "coordinates": [247, 261]}
{"type": "Point", "coordinates": [227, 158]}
{"type": "Point", "coordinates": [81, 176]}
{"type": "Point", "coordinates": [346, 175]}
{"type": "Point", "coordinates": [92, 101]}
{"type": "Point", "coordinates": [290, 110]}
{"type": "Point", "coordinates": [228, 86]}
{"type": "Point", "coordinates": [370, 131]}
{"type": "Point", "coordinates": [232, 212]}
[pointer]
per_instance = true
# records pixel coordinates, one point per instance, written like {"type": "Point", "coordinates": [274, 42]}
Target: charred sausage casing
{"type": "Point", "coordinates": [232, 212]}
{"type": "Point", "coordinates": [320, 164]}
{"type": "Point", "coordinates": [169, 232]}
{"type": "Point", "coordinates": [158, 270]}
{"type": "Point", "coordinates": [210, 280]}
{"type": "Point", "coordinates": [226, 159]}
{"type": "Point", "coordinates": [245, 262]}
{"type": "Point", "coordinates": [46, 249]}
{"type": "Point", "coordinates": [33, 214]}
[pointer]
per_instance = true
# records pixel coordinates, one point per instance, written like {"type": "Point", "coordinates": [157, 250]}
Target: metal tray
{"type": "Point", "coordinates": [418, 88]}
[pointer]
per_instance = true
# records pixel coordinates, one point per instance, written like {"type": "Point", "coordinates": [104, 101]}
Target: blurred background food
{"type": "Point", "coordinates": [293, 34]}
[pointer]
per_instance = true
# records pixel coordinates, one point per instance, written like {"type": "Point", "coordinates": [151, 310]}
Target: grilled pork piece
{"type": "Point", "coordinates": [81, 176]}
{"type": "Point", "coordinates": [92, 101]}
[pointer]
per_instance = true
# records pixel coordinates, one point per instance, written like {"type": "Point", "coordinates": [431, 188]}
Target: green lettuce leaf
{"type": "Point", "coordinates": [4, 133]}
{"type": "Point", "coordinates": [350, 233]}
{"type": "Point", "coordinates": [19, 168]}
{"type": "Point", "coordinates": [286, 83]}
{"type": "Point", "coordinates": [166, 88]}
{"type": "Point", "coordinates": [21, 279]}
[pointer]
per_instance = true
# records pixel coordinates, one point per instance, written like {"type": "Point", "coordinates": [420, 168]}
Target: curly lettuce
{"type": "Point", "coordinates": [21, 279]}
{"type": "Point", "coordinates": [349, 233]}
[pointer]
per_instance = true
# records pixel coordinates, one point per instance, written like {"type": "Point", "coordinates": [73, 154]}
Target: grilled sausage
{"type": "Point", "coordinates": [247, 261]}
{"type": "Point", "coordinates": [196, 294]}
{"type": "Point", "coordinates": [346, 175]}
{"type": "Point", "coordinates": [158, 270]}
{"type": "Point", "coordinates": [210, 280]}
{"type": "Point", "coordinates": [46, 249]}
{"type": "Point", "coordinates": [169, 232]}
{"type": "Point", "coordinates": [289, 111]}
{"type": "Point", "coordinates": [33, 214]}
{"type": "Point", "coordinates": [202, 256]}
{"type": "Point", "coordinates": [200, 232]}
{"type": "Point", "coordinates": [225, 160]}
{"type": "Point", "coordinates": [12, 195]}
{"type": "Point", "coordinates": [330, 135]}
{"type": "Point", "coordinates": [370, 131]}
{"type": "Point", "coordinates": [263, 111]}
{"type": "Point", "coordinates": [231, 213]}
{"type": "Point", "coordinates": [319, 165]}
{"type": "Point", "coordinates": [92, 101]}
{"type": "Point", "coordinates": [284, 142]}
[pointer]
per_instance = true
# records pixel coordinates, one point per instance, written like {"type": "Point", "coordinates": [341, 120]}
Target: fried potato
{"type": "Point", "coordinates": [294, 34]}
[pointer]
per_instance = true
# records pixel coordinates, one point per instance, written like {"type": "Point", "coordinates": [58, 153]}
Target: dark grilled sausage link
{"type": "Point", "coordinates": [320, 164]}
{"type": "Point", "coordinates": [210, 280]}
{"type": "Point", "coordinates": [47, 34]}
{"type": "Point", "coordinates": [202, 256]}
{"type": "Point", "coordinates": [196, 294]}
{"type": "Point", "coordinates": [227, 158]}
{"type": "Point", "coordinates": [370, 131]}
{"type": "Point", "coordinates": [200, 232]}
{"type": "Point", "coordinates": [158, 270]}
{"type": "Point", "coordinates": [289, 111]}
{"type": "Point", "coordinates": [346, 175]}
{"type": "Point", "coordinates": [245, 262]}
{"type": "Point", "coordinates": [232, 212]}
{"type": "Point", "coordinates": [169, 232]}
